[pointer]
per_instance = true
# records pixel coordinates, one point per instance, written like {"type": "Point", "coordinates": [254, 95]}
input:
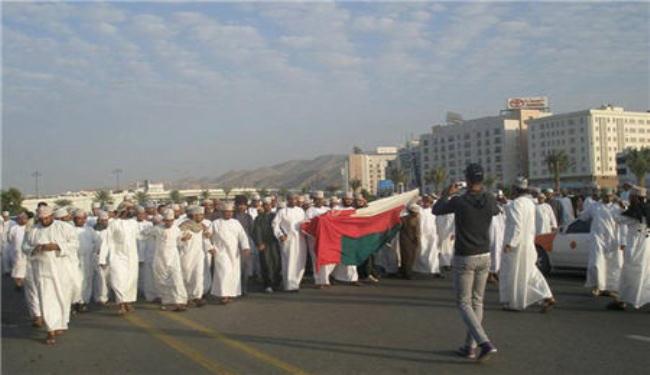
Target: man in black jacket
{"type": "Point", "coordinates": [473, 212]}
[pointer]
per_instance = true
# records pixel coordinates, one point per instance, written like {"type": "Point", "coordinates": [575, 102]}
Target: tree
{"type": "Point", "coordinates": [439, 176]}
{"type": "Point", "coordinates": [191, 200]}
{"type": "Point", "coordinates": [205, 194]}
{"type": "Point", "coordinates": [283, 192]}
{"type": "Point", "coordinates": [141, 197]}
{"type": "Point", "coordinates": [175, 196]}
{"type": "Point", "coordinates": [638, 162]}
{"type": "Point", "coordinates": [103, 197]}
{"type": "Point", "coordinates": [227, 191]}
{"type": "Point", "coordinates": [63, 202]}
{"type": "Point", "coordinates": [263, 192]}
{"type": "Point", "coordinates": [304, 189]}
{"type": "Point", "coordinates": [557, 163]}
{"type": "Point", "coordinates": [355, 184]}
{"type": "Point", "coordinates": [397, 175]}
{"type": "Point", "coordinates": [12, 201]}
{"type": "Point", "coordinates": [489, 181]}
{"type": "Point", "coordinates": [357, 150]}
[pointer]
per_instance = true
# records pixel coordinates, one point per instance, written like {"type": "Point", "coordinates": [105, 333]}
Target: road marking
{"type": "Point", "coordinates": [637, 337]}
{"type": "Point", "coordinates": [180, 347]}
{"type": "Point", "coordinates": [273, 361]}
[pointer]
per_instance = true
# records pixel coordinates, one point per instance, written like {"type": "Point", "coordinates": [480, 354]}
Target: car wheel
{"type": "Point", "coordinates": [543, 263]}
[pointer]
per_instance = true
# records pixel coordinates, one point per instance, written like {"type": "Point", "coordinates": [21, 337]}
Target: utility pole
{"type": "Point", "coordinates": [36, 175]}
{"type": "Point", "coordinates": [117, 172]}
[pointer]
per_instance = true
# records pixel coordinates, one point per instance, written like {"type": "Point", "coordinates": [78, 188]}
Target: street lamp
{"type": "Point", "coordinates": [117, 172]}
{"type": "Point", "coordinates": [36, 175]}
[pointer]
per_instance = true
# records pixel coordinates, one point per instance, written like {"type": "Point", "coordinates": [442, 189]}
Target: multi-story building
{"type": "Point", "coordinates": [370, 167]}
{"type": "Point", "coordinates": [591, 139]}
{"type": "Point", "coordinates": [498, 143]}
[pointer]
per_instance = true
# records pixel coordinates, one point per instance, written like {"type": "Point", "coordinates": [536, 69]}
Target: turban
{"type": "Point", "coordinates": [319, 194]}
{"type": "Point", "coordinates": [168, 214]}
{"type": "Point", "coordinates": [61, 213]}
{"type": "Point", "coordinates": [45, 211]}
{"type": "Point", "coordinates": [103, 215]}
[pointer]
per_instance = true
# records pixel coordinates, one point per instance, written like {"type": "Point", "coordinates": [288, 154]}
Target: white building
{"type": "Point", "coordinates": [370, 168]}
{"type": "Point", "coordinates": [591, 139]}
{"type": "Point", "coordinates": [498, 143]}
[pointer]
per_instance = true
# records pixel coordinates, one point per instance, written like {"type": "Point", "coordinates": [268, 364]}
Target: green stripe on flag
{"type": "Point", "coordinates": [355, 251]}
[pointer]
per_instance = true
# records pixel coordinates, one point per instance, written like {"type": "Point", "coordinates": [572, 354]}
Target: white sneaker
{"type": "Point", "coordinates": [373, 279]}
{"type": "Point", "coordinates": [268, 289]}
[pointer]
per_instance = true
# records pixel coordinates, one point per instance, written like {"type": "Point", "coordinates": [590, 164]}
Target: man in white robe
{"type": "Point", "coordinates": [48, 244]}
{"type": "Point", "coordinates": [521, 283]}
{"type": "Point", "coordinates": [497, 231]}
{"type": "Point", "coordinates": [286, 226]}
{"type": "Point", "coordinates": [87, 256]}
{"type": "Point", "coordinates": [544, 217]}
{"type": "Point", "coordinates": [634, 288]}
{"type": "Point", "coordinates": [8, 258]}
{"type": "Point", "coordinates": [101, 287]}
{"type": "Point", "coordinates": [446, 232]}
{"type": "Point", "coordinates": [427, 260]}
{"type": "Point", "coordinates": [605, 259]}
{"type": "Point", "coordinates": [167, 273]}
{"type": "Point", "coordinates": [121, 258]}
{"type": "Point", "coordinates": [193, 253]}
{"type": "Point", "coordinates": [63, 215]}
{"type": "Point", "coordinates": [568, 213]}
{"type": "Point", "coordinates": [22, 273]}
{"type": "Point", "coordinates": [231, 243]}
{"type": "Point", "coordinates": [145, 255]}
{"type": "Point", "coordinates": [322, 274]}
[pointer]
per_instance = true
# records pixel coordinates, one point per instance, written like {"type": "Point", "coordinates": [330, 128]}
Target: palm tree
{"type": "Point", "coordinates": [175, 196]}
{"type": "Point", "coordinates": [557, 163]}
{"type": "Point", "coordinates": [227, 191]}
{"type": "Point", "coordinates": [141, 197]}
{"type": "Point", "coordinates": [103, 197]}
{"type": "Point", "coordinates": [263, 192]}
{"type": "Point", "coordinates": [439, 177]}
{"type": "Point", "coordinates": [355, 184]}
{"type": "Point", "coordinates": [12, 200]}
{"type": "Point", "coordinates": [205, 194]}
{"type": "Point", "coordinates": [489, 181]}
{"type": "Point", "coordinates": [638, 162]}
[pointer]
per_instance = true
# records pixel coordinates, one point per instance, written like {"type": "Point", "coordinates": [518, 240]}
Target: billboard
{"type": "Point", "coordinates": [529, 102]}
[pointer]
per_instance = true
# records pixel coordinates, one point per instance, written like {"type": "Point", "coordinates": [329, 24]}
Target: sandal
{"type": "Point", "coordinates": [50, 340]}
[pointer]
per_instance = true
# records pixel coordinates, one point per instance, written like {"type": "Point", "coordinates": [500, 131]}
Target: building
{"type": "Point", "coordinates": [591, 139]}
{"type": "Point", "coordinates": [498, 143]}
{"type": "Point", "coordinates": [370, 167]}
{"type": "Point", "coordinates": [407, 163]}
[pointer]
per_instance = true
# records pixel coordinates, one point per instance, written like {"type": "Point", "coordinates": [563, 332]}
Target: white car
{"type": "Point", "coordinates": [566, 249]}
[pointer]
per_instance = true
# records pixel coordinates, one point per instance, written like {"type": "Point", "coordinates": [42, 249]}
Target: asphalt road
{"type": "Point", "coordinates": [396, 327]}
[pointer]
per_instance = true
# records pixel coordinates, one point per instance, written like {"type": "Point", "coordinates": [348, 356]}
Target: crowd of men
{"type": "Point", "coordinates": [65, 258]}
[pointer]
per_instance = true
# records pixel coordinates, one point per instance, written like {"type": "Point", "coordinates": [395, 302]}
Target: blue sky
{"type": "Point", "coordinates": [166, 91]}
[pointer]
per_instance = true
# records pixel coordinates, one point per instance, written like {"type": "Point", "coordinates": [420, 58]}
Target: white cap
{"type": "Point", "coordinates": [521, 183]}
{"type": "Point", "coordinates": [168, 214]}
{"type": "Point", "coordinates": [349, 195]}
{"type": "Point", "coordinates": [61, 213]}
{"type": "Point", "coordinates": [267, 200]}
{"type": "Point", "coordinates": [150, 204]}
{"type": "Point", "coordinates": [79, 212]}
{"type": "Point", "coordinates": [499, 193]}
{"type": "Point", "coordinates": [139, 209]}
{"type": "Point", "coordinates": [549, 191]}
{"type": "Point", "coordinates": [228, 206]}
{"type": "Point", "coordinates": [45, 211]}
{"type": "Point", "coordinates": [319, 194]}
{"type": "Point", "coordinates": [256, 197]}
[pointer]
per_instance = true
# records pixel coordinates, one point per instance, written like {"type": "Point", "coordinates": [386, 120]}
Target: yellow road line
{"type": "Point", "coordinates": [179, 346]}
{"type": "Point", "coordinates": [273, 361]}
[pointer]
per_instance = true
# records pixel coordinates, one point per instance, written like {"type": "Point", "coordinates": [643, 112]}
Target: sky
{"type": "Point", "coordinates": [171, 90]}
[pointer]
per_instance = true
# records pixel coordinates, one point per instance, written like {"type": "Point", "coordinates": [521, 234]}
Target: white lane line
{"type": "Point", "coordinates": [637, 337]}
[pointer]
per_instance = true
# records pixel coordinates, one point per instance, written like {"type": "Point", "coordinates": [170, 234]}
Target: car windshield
{"type": "Point", "coordinates": [579, 226]}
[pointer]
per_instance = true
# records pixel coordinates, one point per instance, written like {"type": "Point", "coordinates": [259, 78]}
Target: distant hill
{"type": "Point", "coordinates": [317, 173]}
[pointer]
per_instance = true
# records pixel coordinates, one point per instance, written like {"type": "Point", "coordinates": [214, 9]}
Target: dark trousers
{"type": "Point", "coordinates": [407, 255]}
{"type": "Point", "coordinates": [271, 266]}
{"type": "Point", "coordinates": [366, 268]}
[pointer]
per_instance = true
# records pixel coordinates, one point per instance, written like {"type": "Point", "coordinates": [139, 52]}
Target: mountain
{"type": "Point", "coordinates": [317, 173]}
